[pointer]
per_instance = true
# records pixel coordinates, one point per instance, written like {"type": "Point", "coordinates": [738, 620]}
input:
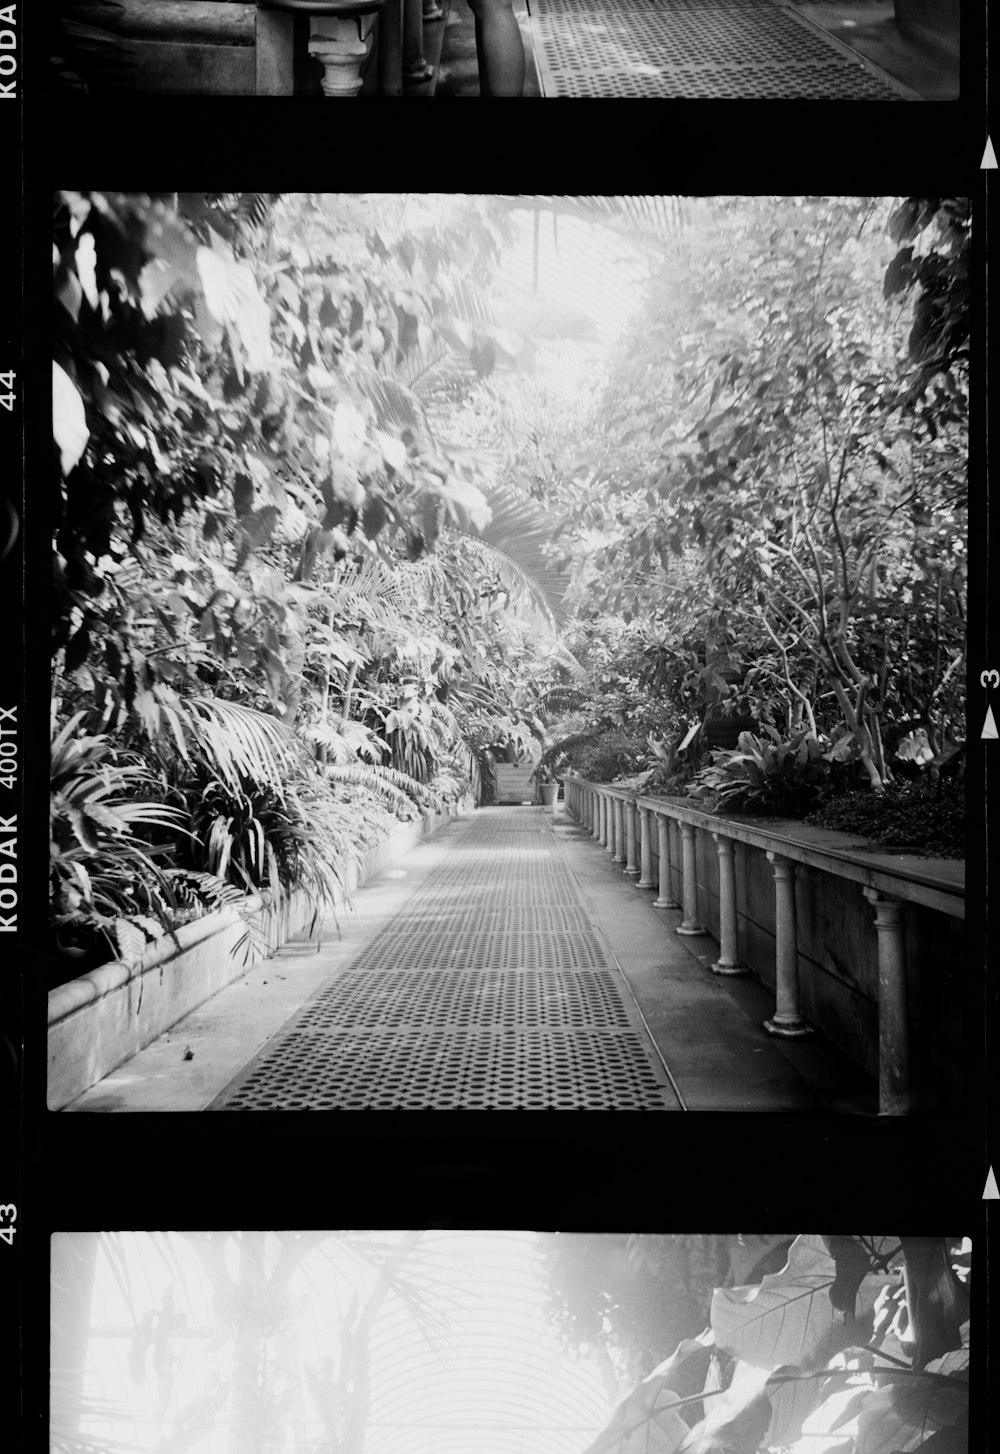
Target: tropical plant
{"type": "Point", "coordinates": [765, 774]}
{"type": "Point", "coordinates": [858, 1342]}
{"type": "Point", "coordinates": [109, 884]}
{"type": "Point", "coordinates": [764, 475]}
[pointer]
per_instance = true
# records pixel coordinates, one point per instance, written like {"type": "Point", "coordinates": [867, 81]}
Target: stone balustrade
{"type": "Point", "coordinates": [275, 47]}
{"type": "Point", "coordinates": [888, 993]}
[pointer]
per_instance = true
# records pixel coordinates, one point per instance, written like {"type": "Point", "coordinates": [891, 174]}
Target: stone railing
{"type": "Point", "coordinates": [223, 48]}
{"type": "Point", "coordinates": [865, 947]}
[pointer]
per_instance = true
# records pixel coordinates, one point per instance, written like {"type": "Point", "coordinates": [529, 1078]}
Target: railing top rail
{"type": "Point", "coordinates": [941, 887]}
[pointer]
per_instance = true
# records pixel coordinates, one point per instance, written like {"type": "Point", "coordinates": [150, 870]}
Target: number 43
{"type": "Point", "coordinates": [8, 1213]}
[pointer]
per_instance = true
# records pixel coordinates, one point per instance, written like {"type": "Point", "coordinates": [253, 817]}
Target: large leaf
{"type": "Point", "coordinates": [937, 1301]}
{"type": "Point", "coordinates": [69, 420]}
{"type": "Point", "coordinates": [790, 1317]}
{"type": "Point", "coordinates": [737, 1423]}
{"type": "Point", "coordinates": [645, 1422]}
{"type": "Point", "coordinates": [905, 1415]}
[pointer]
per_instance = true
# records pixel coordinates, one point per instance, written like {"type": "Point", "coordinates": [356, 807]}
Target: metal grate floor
{"type": "Point", "coordinates": [491, 989]}
{"type": "Point", "coordinates": [697, 49]}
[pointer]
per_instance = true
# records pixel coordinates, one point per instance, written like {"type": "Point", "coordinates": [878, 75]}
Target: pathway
{"type": "Point", "coordinates": [706, 49]}
{"type": "Point", "coordinates": [505, 964]}
{"type": "Point", "coordinates": [491, 989]}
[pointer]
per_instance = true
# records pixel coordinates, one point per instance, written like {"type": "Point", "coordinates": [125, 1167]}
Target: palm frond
{"type": "Point", "coordinates": [345, 742]}
{"type": "Point", "coordinates": [518, 534]}
{"type": "Point", "coordinates": [397, 407]}
{"type": "Point", "coordinates": [239, 742]}
{"type": "Point", "coordinates": [394, 787]}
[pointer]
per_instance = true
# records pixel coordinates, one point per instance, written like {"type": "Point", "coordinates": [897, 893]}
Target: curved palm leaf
{"type": "Point", "coordinates": [518, 534]}
{"type": "Point", "coordinates": [239, 742]}
{"type": "Point", "coordinates": [394, 787]}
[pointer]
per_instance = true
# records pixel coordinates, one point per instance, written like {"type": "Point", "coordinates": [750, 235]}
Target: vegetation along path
{"type": "Point", "coordinates": [491, 989]}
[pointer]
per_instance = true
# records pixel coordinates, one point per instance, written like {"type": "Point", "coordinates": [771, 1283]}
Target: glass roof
{"type": "Point", "coordinates": [432, 1343]}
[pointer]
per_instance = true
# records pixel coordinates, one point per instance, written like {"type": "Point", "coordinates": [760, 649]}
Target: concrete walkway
{"type": "Point", "coordinates": [505, 964]}
{"type": "Point", "coordinates": [708, 49]}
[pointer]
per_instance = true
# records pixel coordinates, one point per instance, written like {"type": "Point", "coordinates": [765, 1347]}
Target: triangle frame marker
{"type": "Point", "coordinates": [989, 161]}
{"type": "Point", "coordinates": [991, 1192]}
{"type": "Point", "coordinates": [990, 725]}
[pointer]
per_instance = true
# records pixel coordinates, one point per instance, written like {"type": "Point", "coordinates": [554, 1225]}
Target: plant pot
{"type": "Point", "coordinates": [549, 793]}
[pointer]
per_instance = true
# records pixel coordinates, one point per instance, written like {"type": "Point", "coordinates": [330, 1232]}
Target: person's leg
{"type": "Point", "coordinates": [500, 48]}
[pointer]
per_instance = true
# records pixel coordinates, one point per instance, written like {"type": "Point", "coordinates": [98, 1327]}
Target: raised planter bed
{"type": "Point", "coordinates": [100, 1020]}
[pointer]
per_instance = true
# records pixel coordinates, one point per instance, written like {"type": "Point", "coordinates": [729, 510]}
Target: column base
{"type": "Point", "coordinates": [616, 858]}
{"type": "Point", "coordinates": [665, 904]}
{"type": "Point", "coordinates": [644, 883]}
{"type": "Point", "coordinates": [728, 967]}
{"type": "Point", "coordinates": [632, 873]}
{"type": "Point", "coordinates": [690, 929]}
{"type": "Point", "coordinates": [788, 1029]}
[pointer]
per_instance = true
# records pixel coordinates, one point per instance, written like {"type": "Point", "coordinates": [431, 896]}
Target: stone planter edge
{"type": "Point", "coordinates": [100, 1020]}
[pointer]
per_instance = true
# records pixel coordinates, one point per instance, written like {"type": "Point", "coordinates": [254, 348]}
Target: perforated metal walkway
{"type": "Point", "coordinates": [491, 989]}
{"type": "Point", "coordinates": [697, 49]}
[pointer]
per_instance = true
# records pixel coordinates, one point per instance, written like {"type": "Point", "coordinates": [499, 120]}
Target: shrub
{"type": "Point", "coordinates": [612, 754]}
{"type": "Point", "coordinates": [926, 817]}
{"type": "Point", "coordinates": [109, 886]}
{"type": "Point", "coordinates": [765, 776]}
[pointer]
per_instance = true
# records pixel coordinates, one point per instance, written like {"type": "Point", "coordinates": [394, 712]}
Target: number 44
{"type": "Point", "coordinates": [8, 1213]}
{"type": "Point", "coordinates": [7, 400]}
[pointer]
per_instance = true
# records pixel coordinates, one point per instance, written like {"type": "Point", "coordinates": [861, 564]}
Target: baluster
{"type": "Point", "coordinates": [416, 67]}
{"type": "Point", "coordinates": [342, 44]}
{"type": "Point", "coordinates": [632, 868]}
{"type": "Point", "coordinates": [617, 808]}
{"type": "Point", "coordinates": [665, 899]}
{"type": "Point", "coordinates": [895, 1093]}
{"type": "Point", "coordinates": [645, 852]}
{"type": "Point", "coordinates": [690, 924]}
{"type": "Point", "coordinates": [728, 961]}
{"type": "Point", "coordinates": [786, 1021]}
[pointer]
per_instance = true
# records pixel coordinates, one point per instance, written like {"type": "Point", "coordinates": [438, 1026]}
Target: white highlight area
{"type": "Point", "coordinates": [274, 1343]}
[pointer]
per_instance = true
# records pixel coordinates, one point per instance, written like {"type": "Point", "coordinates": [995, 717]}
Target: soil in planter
{"type": "Point", "coordinates": [73, 952]}
{"type": "Point", "coordinates": [927, 818]}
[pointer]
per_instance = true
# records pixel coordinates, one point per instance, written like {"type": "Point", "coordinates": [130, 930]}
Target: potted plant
{"type": "Point", "coordinates": [548, 786]}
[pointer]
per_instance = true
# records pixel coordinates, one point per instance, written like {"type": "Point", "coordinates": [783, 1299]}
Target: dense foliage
{"type": "Point", "coordinates": [926, 818]}
{"type": "Point", "coordinates": [314, 529]}
{"type": "Point", "coordinates": [277, 585]}
{"type": "Point", "coordinates": [857, 1343]}
{"type": "Point", "coordinates": [771, 500]}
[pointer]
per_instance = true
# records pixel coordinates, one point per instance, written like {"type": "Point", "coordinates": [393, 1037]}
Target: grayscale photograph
{"type": "Point", "coordinates": [509, 654]}
{"type": "Point", "coordinates": [714, 50]}
{"type": "Point", "coordinates": [445, 1342]}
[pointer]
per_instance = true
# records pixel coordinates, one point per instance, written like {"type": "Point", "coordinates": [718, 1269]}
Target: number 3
{"type": "Point", "coordinates": [8, 1212]}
